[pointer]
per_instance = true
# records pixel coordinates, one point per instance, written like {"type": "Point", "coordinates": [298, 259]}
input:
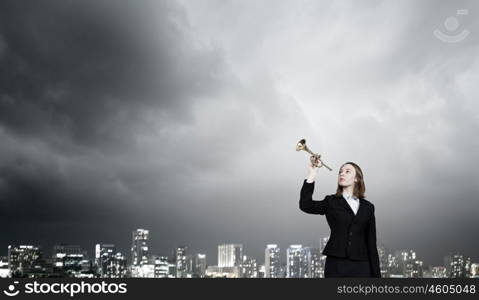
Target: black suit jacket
{"type": "Point", "coordinates": [352, 236]}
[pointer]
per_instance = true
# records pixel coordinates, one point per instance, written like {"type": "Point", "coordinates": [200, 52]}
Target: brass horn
{"type": "Point", "coordinates": [301, 145]}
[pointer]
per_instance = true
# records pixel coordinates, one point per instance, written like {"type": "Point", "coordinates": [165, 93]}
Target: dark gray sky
{"type": "Point", "coordinates": [182, 117]}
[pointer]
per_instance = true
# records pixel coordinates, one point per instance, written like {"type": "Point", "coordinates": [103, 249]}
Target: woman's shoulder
{"type": "Point", "coordinates": [331, 196]}
{"type": "Point", "coordinates": [368, 203]}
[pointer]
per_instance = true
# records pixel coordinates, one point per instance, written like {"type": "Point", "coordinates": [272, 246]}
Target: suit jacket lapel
{"type": "Point", "coordinates": [345, 204]}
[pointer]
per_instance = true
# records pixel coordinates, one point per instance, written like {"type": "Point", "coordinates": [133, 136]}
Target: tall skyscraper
{"type": "Point", "coordinates": [109, 262]}
{"type": "Point", "coordinates": [457, 265]}
{"type": "Point", "coordinates": [230, 255]}
{"type": "Point", "coordinates": [198, 265]}
{"type": "Point", "coordinates": [139, 247]}
{"type": "Point", "coordinates": [405, 264]}
{"type": "Point", "coordinates": [296, 261]}
{"type": "Point", "coordinates": [249, 267]}
{"type": "Point", "coordinates": [272, 263]}
{"type": "Point", "coordinates": [27, 260]}
{"type": "Point", "coordinates": [181, 262]}
{"type": "Point", "coordinates": [161, 266]}
{"type": "Point", "coordinates": [313, 262]}
{"type": "Point", "coordinates": [118, 266]}
{"type": "Point", "coordinates": [103, 252]}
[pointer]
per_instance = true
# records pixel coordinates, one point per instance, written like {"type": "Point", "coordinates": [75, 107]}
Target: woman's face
{"type": "Point", "coordinates": [347, 175]}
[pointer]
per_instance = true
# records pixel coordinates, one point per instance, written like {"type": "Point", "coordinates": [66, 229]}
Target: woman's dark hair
{"type": "Point", "coordinates": [359, 186]}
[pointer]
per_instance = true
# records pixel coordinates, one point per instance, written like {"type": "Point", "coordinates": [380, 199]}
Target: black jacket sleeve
{"type": "Point", "coordinates": [372, 247]}
{"type": "Point", "coordinates": [306, 202]}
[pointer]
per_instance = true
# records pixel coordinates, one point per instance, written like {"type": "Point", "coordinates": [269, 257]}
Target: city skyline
{"type": "Point", "coordinates": [231, 255]}
{"type": "Point", "coordinates": [172, 249]}
{"type": "Point", "coordinates": [183, 116]}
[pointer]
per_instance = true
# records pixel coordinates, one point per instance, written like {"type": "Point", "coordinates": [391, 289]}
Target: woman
{"type": "Point", "coordinates": [351, 249]}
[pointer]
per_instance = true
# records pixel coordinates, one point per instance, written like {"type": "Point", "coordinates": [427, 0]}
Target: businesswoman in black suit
{"type": "Point", "coordinates": [351, 249]}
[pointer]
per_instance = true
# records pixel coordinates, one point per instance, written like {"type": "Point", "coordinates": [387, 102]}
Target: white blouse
{"type": "Point", "coordinates": [352, 201]}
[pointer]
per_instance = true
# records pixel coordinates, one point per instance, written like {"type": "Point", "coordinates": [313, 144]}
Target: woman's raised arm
{"type": "Point", "coordinates": [306, 202]}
